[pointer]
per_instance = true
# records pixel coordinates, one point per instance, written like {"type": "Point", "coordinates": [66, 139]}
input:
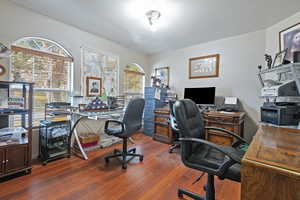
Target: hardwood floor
{"type": "Point", "coordinates": [157, 178]}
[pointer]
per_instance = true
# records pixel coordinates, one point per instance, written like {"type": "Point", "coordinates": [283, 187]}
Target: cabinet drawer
{"type": "Point", "coordinates": [162, 130]}
{"type": "Point", "coordinates": [161, 118]}
{"type": "Point", "coordinates": [220, 140]}
{"type": "Point", "coordinates": [224, 126]}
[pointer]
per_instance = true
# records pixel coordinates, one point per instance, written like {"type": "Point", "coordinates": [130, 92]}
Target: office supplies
{"type": "Point", "coordinates": [231, 104]}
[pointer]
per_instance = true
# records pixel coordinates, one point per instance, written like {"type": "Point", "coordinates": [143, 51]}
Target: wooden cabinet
{"type": "Point", "coordinates": [230, 121]}
{"type": "Point", "coordinates": [162, 128]}
{"type": "Point", "coordinates": [2, 161]}
{"type": "Point", "coordinates": [14, 158]}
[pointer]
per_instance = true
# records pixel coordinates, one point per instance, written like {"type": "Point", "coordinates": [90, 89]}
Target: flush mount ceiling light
{"type": "Point", "coordinates": [153, 18]}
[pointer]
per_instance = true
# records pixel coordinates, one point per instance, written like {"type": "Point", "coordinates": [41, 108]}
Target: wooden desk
{"type": "Point", "coordinates": [271, 167]}
{"type": "Point", "coordinates": [162, 128]}
{"type": "Point", "coordinates": [232, 121]}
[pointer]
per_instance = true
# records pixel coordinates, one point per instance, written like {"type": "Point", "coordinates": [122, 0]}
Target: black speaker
{"type": "Point", "coordinates": [296, 57]}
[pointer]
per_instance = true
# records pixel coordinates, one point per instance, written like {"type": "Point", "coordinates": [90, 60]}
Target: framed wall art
{"type": "Point", "coordinates": [290, 39]}
{"type": "Point", "coordinates": [163, 73]}
{"type": "Point", "coordinates": [279, 58]}
{"type": "Point", "coordinates": [204, 67]}
{"type": "Point", "coordinates": [93, 86]}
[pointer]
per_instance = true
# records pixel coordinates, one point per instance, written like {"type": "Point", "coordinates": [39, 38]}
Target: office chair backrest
{"type": "Point", "coordinates": [190, 124]}
{"type": "Point", "coordinates": [134, 115]}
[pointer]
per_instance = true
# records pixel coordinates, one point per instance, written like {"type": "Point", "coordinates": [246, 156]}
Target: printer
{"type": "Point", "coordinates": [281, 95]}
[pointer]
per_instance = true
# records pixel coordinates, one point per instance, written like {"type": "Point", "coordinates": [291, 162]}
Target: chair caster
{"type": "Point", "coordinates": [124, 166]}
{"type": "Point", "coordinates": [45, 163]}
{"type": "Point", "coordinates": [141, 158]}
{"type": "Point", "coordinates": [179, 194]}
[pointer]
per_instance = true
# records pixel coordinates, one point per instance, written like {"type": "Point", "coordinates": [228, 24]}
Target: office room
{"type": "Point", "coordinates": [149, 100]}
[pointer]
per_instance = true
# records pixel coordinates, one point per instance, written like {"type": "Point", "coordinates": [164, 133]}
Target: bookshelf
{"type": "Point", "coordinates": [16, 134]}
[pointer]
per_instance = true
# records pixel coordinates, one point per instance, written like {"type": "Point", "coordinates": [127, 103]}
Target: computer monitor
{"type": "Point", "coordinates": [201, 96]}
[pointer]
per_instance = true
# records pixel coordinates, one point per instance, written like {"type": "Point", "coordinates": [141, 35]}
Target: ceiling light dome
{"type": "Point", "coordinates": [153, 17]}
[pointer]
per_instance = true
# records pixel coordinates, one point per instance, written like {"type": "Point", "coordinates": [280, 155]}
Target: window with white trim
{"type": "Point", "coordinates": [48, 65]}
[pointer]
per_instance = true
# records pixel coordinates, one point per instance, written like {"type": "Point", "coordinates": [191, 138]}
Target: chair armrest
{"type": "Point", "coordinates": [228, 132]}
{"type": "Point", "coordinates": [232, 156]}
{"type": "Point", "coordinates": [113, 121]}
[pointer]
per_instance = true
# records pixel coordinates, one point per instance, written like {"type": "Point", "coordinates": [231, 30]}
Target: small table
{"type": "Point", "coordinates": [99, 115]}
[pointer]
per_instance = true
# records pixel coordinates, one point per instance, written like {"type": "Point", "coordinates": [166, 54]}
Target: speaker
{"type": "Point", "coordinates": [296, 57]}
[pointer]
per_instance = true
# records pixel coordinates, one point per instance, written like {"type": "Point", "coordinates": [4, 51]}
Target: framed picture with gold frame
{"type": "Point", "coordinates": [163, 73]}
{"type": "Point", "coordinates": [204, 67]}
{"type": "Point", "coordinates": [93, 86]}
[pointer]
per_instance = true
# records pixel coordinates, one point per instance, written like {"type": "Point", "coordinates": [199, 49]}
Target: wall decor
{"type": "Point", "coordinates": [204, 67]}
{"type": "Point", "coordinates": [290, 39]}
{"type": "Point", "coordinates": [163, 74]}
{"type": "Point", "coordinates": [102, 65]}
{"type": "Point", "coordinates": [93, 86]}
{"type": "Point", "coordinates": [2, 70]}
{"type": "Point", "coordinates": [280, 58]}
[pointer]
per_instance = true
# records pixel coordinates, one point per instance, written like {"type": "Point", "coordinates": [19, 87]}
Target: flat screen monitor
{"type": "Point", "coordinates": [202, 96]}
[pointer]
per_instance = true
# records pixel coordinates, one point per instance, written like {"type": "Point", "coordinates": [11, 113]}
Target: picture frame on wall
{"type": "Point", "coordinates": [163, 74]}
{"type": "Point", "coordinates": [289, 39]}
{"type": "Point", "coordinates": [204, 67]}
{"type": "Point", "coordinates": [279, 58]}
{"type": "Point", "coordinates": [93, 86]}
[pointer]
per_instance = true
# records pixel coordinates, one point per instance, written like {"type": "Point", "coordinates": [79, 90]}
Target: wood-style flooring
{"type": "Point", "coordinates": [156, 178]}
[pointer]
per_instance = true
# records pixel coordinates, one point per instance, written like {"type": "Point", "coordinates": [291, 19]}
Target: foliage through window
{"type": "Point", "coordinates": [46, 64]}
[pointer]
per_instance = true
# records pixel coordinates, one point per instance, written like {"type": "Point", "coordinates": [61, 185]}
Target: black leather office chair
{"type": "Point", "coordinates": [174, 129]}
{"type": "Point", "coordinates": [202, 155]}
{"type": "Point", "coordinates": [131, 123]}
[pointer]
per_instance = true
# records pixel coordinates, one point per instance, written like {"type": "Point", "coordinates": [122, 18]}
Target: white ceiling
{"type": "Point", "coordinates": [183, 22]}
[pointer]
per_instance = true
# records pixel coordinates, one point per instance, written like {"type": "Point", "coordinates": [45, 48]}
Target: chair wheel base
{"type": "Point", "coordinates": [141, 158]}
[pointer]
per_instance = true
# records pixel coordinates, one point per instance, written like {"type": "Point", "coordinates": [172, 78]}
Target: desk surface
{"type": "Point", "coordinates": [277, 148]}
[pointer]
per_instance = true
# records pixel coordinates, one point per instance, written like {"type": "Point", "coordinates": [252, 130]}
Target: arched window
{"type": "Point", "coordinates": [45, 63]}
{"type": "Point", "coordinates": [134, 81]}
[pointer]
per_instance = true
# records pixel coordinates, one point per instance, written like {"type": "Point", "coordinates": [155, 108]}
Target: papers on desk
{"type": "Point", "coordinates": [230, 100]}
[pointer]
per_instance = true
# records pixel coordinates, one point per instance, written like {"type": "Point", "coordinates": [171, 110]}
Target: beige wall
{"type": "Point", "coordinates": [240, 56]}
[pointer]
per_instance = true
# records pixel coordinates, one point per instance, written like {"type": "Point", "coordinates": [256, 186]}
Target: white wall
{"type": "Point", "coordinates": [272, 33]}
{"type": "Point", "coordinates": [240, 56]}
{"type": "Point", "coordinates": [17, 22]}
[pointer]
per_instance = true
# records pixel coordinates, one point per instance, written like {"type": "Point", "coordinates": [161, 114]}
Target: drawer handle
{"type": "Point", "coordinates": [7, 161]}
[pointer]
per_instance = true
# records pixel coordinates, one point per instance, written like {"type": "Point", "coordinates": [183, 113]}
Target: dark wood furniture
{"type": "Point", "coordinates": [16, 157]}
{"type": "Point", "coordinates": [162, 128]}
{"type": "Point", "coordinates": [232, 121]}
{"type": "Point", "coordinates": [271, 166]}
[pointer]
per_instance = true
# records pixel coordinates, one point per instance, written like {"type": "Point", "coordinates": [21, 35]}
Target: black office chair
{"type": "Point", "coordinates": [175, 132]}
{"type": "Point", "coordinates": [131, 123]}
{"type": "Point", "coordinates": [202, 155]}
